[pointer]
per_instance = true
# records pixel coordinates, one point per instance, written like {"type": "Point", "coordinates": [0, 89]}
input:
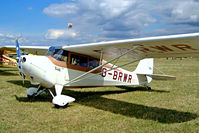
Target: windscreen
{"type": "Point", "coordinates": [57, 53]}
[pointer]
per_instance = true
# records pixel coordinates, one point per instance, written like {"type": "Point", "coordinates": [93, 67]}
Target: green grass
{"type": "Point", "coordinates": [172, 106]}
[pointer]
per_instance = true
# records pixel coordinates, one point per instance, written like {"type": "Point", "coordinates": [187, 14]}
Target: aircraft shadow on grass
{"type": "Point", "coordinates": [7, 73]}
{"type": "Point", "coordinates": [95, 99]}
{"type": "Point", "coordinates": [26, 83]}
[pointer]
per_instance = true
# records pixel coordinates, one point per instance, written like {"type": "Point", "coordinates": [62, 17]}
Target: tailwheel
{"type": "Point", "coordinates": [148, 88]}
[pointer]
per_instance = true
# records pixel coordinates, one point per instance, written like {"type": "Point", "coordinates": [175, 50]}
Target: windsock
{"type": "Point", "coordinates": [70, 25]}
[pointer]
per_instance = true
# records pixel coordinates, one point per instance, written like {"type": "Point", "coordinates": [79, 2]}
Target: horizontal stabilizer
{"type": "Point", "coordinates": [159, 77]}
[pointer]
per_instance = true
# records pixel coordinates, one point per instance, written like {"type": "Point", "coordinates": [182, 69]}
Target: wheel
{"type": "Point", "coordinates": [149, 88]}
{"type": "Point", "coordinates": [58, 106]}
{"type": "Point", "coordinates": [34, 92]}
{"type": "Point", "coordinates": [31, 96]}
{"type": "Point", "coordinates": [31, 91]}
{"type": "Point", "coordinates": [61, 101]}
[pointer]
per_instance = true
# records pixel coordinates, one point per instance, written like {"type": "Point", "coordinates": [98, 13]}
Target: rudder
{"type": "Point", "coordinates": [145, 66]}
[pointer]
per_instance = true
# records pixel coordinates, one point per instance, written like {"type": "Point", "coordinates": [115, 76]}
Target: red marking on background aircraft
{"type": "Point", "coordinates": [3, 57]}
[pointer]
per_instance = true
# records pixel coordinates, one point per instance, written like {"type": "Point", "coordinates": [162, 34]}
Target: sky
{"type": "Point", "coordinates": [44, 22]}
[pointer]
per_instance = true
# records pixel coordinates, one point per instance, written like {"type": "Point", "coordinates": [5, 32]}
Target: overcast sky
{"type": "Point", "coordinates": [44, 22]}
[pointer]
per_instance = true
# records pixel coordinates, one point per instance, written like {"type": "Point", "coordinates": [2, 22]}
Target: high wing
{"type": "Point", "coordinates": [183, 45]}
{"type": "Point", "coordinates": [36, 50]}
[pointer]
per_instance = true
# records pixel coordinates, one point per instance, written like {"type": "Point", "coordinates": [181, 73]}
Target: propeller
{"type": "Point", "coordinates": [19, 60]}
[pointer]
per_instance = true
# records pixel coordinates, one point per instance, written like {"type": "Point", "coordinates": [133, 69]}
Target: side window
{"type": "Point", "coordinates": [75, 60]}
{"type": "Point", "coordinates": [79, 60]}
{"type": "Point", "coordinates": [93, 63]}
{"type": "Point", "coordinates": [83, 61]}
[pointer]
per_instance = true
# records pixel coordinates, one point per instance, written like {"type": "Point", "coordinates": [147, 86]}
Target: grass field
{"type": "Point", "coordinates": [171, 106]}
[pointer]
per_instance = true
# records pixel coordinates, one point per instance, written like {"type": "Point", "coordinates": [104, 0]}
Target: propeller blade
{"type": "Point", "coordinates": [19, 60]}
{"type": "Point", "coordinates": [17, 48]}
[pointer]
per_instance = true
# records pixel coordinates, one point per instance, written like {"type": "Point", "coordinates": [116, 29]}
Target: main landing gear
{"type": "Point", "coordinates": [60, 101]}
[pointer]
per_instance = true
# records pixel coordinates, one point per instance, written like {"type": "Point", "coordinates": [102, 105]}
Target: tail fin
{"type": "Point", "coordinates": [145, 66]}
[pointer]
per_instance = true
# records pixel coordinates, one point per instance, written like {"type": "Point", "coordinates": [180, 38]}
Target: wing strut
{"type": "Point", "coordinates": [102, 65]}
{"type": "Point", "coordinates": [101, 56]}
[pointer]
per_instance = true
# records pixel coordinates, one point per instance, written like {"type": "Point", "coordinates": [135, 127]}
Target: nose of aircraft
{"type": "Point", "coordinates": [24, 66]}
{"type": "Point", "coordinates": [32, 66]}
{"type": "Point", "coordinates": [35, 68]}
{"type": "Point", "coordinates": [21, 60]}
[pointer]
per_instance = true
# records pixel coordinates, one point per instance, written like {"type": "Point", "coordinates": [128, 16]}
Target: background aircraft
{"type": "Point", "coordinates": [8, 55]}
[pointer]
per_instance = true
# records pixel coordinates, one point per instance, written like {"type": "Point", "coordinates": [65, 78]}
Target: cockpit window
{"type": "Point", "coordinates": [79, 60]}
{"type": "Point", "coordinates": [75, 59]}
{"type": "Point", "coordinates": [52, 50]}
{"type": "Point", "coordinates": [58, 54]}
{"type": "Point", "coordinates": [61, 55]}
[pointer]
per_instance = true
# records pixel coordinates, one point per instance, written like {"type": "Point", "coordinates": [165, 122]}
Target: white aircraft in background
{"type": "Point", "coordinates": [84, 65]}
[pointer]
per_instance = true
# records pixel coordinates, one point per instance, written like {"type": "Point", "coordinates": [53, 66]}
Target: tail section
{"type": "Point", "coordinates": [144, 72]}
{"type": "Point", "coordinates": [145, 66]}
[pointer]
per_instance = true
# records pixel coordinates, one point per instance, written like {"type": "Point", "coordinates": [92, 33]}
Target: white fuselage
{"type": "Point", "coordinates": [40, 70]}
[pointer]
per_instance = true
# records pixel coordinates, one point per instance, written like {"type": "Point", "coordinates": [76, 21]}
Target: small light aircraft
{"type": "Point", "coordinates": [8, 57]}
{"type": "Point", "coordinates": [84, 65]}
{"type": "Point", "coordinates": [7, 61]}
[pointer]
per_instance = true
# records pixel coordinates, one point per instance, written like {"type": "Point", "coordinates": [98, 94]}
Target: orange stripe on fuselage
{"type": "Point", "coordinates": [70, 66]}
{"type": "Point", "coordinates": [109, 66]}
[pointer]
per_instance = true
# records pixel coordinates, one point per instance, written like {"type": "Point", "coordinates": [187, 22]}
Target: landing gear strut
{"type": "Point", "coordinates": [60, 101]}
